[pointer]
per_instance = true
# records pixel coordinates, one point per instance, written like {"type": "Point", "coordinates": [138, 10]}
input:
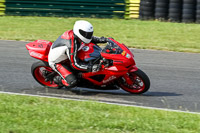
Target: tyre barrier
{"type": "Point", "coordinates": [175, 10]}
{"type": "Point", "coordinates": [147, 9]}
{"type": "Point", "coordinates": [161, 9]}
{"type": "Point", "coordinates": [189, 11]}
{"type": "Point", "coordinates": [198, 11]}
{"type": "Point", "coordinates": [132, 9]}
{"type": "Point", "coordinates": [2, 7]}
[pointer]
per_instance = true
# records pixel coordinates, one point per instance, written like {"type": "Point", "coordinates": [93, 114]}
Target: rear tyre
{"type": "Point", "coordinates": [38, 69]}
{"type": "Point", "coordinates": [138, 82]}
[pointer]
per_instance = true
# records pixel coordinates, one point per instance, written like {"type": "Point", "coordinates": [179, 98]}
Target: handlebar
{"type": "Point", "coordinates": [104, 62]}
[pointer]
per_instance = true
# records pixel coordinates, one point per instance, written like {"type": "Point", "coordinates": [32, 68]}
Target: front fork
{"type": "Point", "coordinates": [127, 75]}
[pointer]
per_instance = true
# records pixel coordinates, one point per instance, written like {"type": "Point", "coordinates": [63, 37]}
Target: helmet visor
{"type": "Point", "coordinates": [87, 35]}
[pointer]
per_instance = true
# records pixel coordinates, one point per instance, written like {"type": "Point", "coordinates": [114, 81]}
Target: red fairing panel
{"type": "Point", "coordinates": [85, 51]}
{"type": "Point", "coordinates": [39, 49]}
{"type": "Point", "coordinates": [109, 76]}
{"type": "Point", "coordinates": [133, 68]}
{"type": "Point", "coordinates": [119, 59]}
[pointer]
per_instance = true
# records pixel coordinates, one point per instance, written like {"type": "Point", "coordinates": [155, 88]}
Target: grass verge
{"type": "Point", "coordinates": [25, 114]}
{"type": "Point", "coordinates": [134, 33]}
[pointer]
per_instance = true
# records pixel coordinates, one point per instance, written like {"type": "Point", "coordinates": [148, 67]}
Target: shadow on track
{"type": "Point", "coordinates": [90, 92]}
{"type": "Point", "coordinates": [159, 94]}
{"type": "Point", "coordinates": [93, 92]}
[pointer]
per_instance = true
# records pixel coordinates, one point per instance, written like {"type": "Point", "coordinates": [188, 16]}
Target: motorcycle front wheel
{"type": "Point", "coordinates": [135, 82]}
{"type": "Point", "coordinates": [38, 70]}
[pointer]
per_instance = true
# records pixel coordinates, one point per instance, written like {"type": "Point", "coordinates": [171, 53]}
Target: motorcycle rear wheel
{"type": "Point", "coordinates": [140, 82]}
{"type": "Point", "coordinates": [37, 70]}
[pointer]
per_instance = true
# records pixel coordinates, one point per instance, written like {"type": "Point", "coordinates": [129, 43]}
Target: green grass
{"type": "Point", "coordinates": [25, 114]}
{"type": "Point", "coordinates": [134, 33]}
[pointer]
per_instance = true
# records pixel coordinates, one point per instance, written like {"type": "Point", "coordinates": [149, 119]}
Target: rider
{"type": "Point", "coordinates": [66, 47]}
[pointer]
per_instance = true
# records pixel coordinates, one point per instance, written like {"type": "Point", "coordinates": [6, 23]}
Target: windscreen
{"type": "Point", "coordinates": [112, 48]}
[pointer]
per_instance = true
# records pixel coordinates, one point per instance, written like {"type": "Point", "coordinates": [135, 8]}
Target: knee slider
{"type": "Point", "coordinates": [71, 80]}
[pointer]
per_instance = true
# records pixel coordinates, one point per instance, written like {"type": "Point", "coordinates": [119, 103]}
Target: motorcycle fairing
{"type": "Point", "coordinates": [39, 49]}
{"type": "Point", "coordinates": [133, 68]}
{"type": "Point", "coordinates": [122, 63]}
{"type": "Point", "coordinates": [89, 52]}
{"type": "Point", "coordinates": [119, 59]}
{"type": "Point", "coordinates": [106, 75]}
{"type": "Point", "coordinates": [119, 53]}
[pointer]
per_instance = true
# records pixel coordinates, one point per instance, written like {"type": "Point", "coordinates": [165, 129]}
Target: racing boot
{"type": "Point", "coordinates": [58, 80]}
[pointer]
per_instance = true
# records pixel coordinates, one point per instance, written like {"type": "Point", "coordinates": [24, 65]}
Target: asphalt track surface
{"type": "Point", "coordinates": [175, 79]}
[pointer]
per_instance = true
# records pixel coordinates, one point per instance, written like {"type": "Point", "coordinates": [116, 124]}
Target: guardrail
{"type": "Point", "coordinates": [2, 7]}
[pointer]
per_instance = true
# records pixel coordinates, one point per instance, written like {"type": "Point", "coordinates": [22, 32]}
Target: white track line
{"type": "Point", "coordinates": [75, 99]}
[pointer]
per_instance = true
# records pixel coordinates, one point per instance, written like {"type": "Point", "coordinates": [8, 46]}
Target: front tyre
{"type": "Point", "coordinates": [135, 82]}
{"type": "Point", "coordinates": [38, 69]}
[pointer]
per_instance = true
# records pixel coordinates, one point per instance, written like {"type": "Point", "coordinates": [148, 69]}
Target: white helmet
{"type": "Point", "coordinates": [83, 30]}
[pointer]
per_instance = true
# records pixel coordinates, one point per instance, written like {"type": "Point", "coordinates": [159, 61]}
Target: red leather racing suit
{"type": "Point", "coordinates": [66, 48]}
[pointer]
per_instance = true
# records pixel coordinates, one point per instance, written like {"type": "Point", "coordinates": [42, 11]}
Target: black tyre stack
{"type": "Point", "coordinates": [147, 8]}
{"type": "Point", "coordinates": [189, 11]}
{"type": "Point", "coordinates": [161, 9]}
{"type": "Point", "coordinates": [198, 12]}
{"type": "Point", "coordinates": [175, 10]}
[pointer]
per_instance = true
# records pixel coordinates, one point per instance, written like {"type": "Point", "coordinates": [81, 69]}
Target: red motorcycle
{"type": "Point", "coordinates": [115, 67]}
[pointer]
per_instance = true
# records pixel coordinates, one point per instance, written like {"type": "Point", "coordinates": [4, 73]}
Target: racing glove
{"type": "Point", "coordinates": [99, 39]}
